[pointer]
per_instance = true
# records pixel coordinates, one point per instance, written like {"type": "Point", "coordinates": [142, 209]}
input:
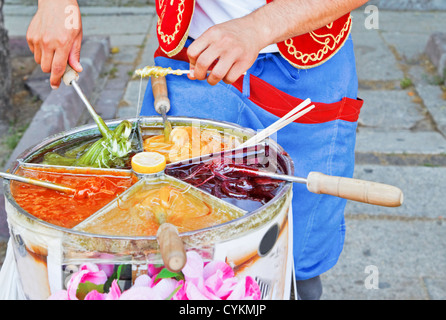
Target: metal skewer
{"type": "Point", "coordinates": [70, 78]}
{"type": "Point", "coordinates": [346, 188]}
{"type": "Point", "coordinates": [40, 183]}
{"type": "Point", "coordinates": [272, 175]}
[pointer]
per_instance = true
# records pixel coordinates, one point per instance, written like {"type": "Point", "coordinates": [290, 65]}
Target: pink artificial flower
{"type": "Point", "coordinates": [252, 289]}
{"type": "Point", "coordinates": [193, 270]}
{"type": "Point", "coordinates": [152, 270]}
{"type": "Point", "coordinates": [108, 268]}
{"type": "Point", "coordinates": [213, 266]}
{"type": "Point", "coordinates": [87, 272]}
{"type": "Point", "coordinates": [195, 293]}
{"type": "Point", "coordinates": [115, 291]}
{"type": "Point", "coordinates": [246, 289]}
{"type": "Point", "coordinates": [219, 279]}
{"type": "Point", "coordinates": [215, 280]}
{"type": "Point", "coordinates": [145, 289]}
{"type": "Point", "coordinates": [181, 293]}
{"type": "Point", "coordinates": [165, 287]}
{"type": "Point", "coordinates": [143, 280]}
{"type": "Point", "coordinates": [59, 295]}
{"type": "Point", "coordinates": [95, 295]}
{"type": "Point", "coordinates": [140, 293]}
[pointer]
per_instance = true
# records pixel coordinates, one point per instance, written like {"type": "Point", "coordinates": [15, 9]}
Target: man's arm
{"type": "Point", "coordinates": [236, 43]}
{"type": "Point", "coordinates": [54, 37]}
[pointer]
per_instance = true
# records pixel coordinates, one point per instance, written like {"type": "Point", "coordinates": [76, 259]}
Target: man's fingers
{"type": "Point", "coordinates": [31, 33]}
{"type": "Point", "coordinates": [235, 72]}
{"type": "Point", "coordinates": [191, 75]}
{"type": "Point", "coordinates": [204, 62]}
{"type": "Point", "coordinates": [223, 49]}
{"type": "Point", "coordinates": [37, 53]}
{"type": "Point", "coordinates": [75, 54]}
{"type": "Point", "coordinates": [58, 69]}
{"type": "Point", "coordinates": [30, 42]}
{"type": "Point", "coordinates": [47, 60]}
{"type": "Point", "coordinates": [55, 38]}
{"type": "Point", "coordinates": [195, 50]}
{"type": "Point", "coordinates": [219, 71]}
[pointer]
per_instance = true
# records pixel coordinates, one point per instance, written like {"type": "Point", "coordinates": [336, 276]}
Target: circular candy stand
{"type": "Point", "coordinates": [253, 238]}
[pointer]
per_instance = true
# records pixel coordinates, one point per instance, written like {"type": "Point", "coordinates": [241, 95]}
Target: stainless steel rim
{"type": "Point", "coordinates": [156, 120]}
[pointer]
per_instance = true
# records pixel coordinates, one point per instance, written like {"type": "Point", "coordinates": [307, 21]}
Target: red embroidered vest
{"type": "Point", "coordinates": [304, 51]}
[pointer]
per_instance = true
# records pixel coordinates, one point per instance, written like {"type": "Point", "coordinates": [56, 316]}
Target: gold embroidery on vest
{"type": "Point", "coordinates": [320, 54]}
{"type": "Point", "coordinates": [166, 38]}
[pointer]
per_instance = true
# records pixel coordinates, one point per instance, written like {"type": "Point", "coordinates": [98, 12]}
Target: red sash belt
{"type": "Point", "coordinates": [280, 103]}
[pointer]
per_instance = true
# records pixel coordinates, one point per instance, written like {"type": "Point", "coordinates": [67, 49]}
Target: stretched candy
{"type": "Point", "coordinates": [152, 71]}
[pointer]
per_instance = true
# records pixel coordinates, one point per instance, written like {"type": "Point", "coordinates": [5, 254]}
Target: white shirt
{"type": "Point", "coordinates": [210, 12]}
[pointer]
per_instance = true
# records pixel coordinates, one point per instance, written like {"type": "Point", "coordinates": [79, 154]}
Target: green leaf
{"type": "Point", "coordinates": [84, 288]}
{"type": "Point", "coordinates": [166, 274]}
{"type": "Point", "coordinates": [174, 291]}
{"type": "Point", "coordinates": [116, 275]}
{"type": "Point", "coordinates": [112, 149]}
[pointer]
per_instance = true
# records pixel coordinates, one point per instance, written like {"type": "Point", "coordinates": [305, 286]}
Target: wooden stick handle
{"type": "Point", "coordinates": [69, 75]}
{"type": "Point", "coordinates": [171, 247]}
{"type": "Point", "coordinates": [355, 189]}
{"type": "Point", "coordinates": [159, 89]}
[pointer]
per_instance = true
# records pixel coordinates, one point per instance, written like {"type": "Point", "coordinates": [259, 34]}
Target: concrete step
{"type": "Point", "coordinates": [423, 187]}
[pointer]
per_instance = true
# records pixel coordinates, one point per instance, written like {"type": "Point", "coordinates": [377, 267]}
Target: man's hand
{"type": "Point", "coordinates": [232, 46]}
{"type": "Point", "coordinates": [54, 37]}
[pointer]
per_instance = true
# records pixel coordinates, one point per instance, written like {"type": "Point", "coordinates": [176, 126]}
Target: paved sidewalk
{"type": "Point", "coordinates": [401, 140]}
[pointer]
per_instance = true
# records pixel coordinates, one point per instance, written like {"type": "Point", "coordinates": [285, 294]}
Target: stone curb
{"type": "Point", "coordinates": [436, 51]}
{"type": "Point", "coordinates": [62, 108]}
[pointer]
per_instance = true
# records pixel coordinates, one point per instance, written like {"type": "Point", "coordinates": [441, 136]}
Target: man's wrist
{"type": "Point", "coordinates": [262, 33]}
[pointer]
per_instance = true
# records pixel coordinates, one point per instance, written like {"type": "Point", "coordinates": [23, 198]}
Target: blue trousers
{"type": "Point", "coordinates": [328, 147]}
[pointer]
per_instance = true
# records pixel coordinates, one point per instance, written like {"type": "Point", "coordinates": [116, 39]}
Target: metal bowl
{"type": "Point", "coordinates": [255, 244]}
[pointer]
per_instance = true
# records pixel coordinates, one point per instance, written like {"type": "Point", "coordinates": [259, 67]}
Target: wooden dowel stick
{"type": "Point", "coordinates": [171, 247]}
